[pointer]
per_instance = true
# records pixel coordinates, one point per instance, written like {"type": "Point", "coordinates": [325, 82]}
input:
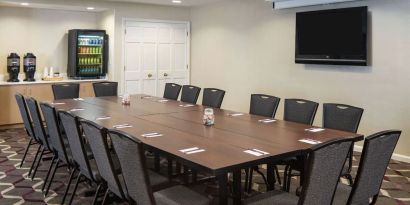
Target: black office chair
{"type": "Point", "coordinates": [264, 105]}
{"type": "Point", "coordinates": [83, 162]}
{"type": "Point", "coordinates": [300, 111]}
{"type": "Point", "coordinates": [324, 164]}
{"type": "Point", "coordinates": [40, 134]}
{"type": "Point", "coordinates": [172, 91]}
{"type": "Point", "coordinates": [377, 151]}
{"type": "Point", "coordinates": [59, 144]}
{"type": "Point", "coordinates": [346, 118]}
{"type": "Point", "coordinates": [21, 102]}
{"type": "Point", "coordinates": [213, 97]}
{"type": "Point", "coordinates": [102, 89]}
{"type": "Point", "coordinates": [132, 160]}
{"type": "Point", "coordinates": [97, 137]}
{"type": "Point", "coordinates": [190, 94]}
{"type": "Point", "coordinates": [66, 91]}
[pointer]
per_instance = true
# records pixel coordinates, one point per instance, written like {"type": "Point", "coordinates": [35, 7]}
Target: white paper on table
{"type": "Point", "coordinates": [189, 149]}
{"type": "Point", "coordinates": [187, 105]}
{"type": "Point", "coordinates": [254, 153]}
{"type": "Point", "coordinates": [147, 134]}
{"type": "Point", "coordinates": [315, 130]}
{"type": "Point", "coordinates": [161, 101]}
{"type": "Point", "coordinates": [236, 114]}
{"type": "Point", "coordinates": [76, 109]}
{"type": "Point", "coordinates": [260, 151]}
{"type": "Point", "coordinates": [78, 99]}
{"type": "Point", "coordinates": [267, 120]}
{"type": "Point", "coordinates": [103, 118]}
{"type": "Point", "coordinates": [195, 151]}
{"type": "Point", "coordinates": [310, 141]}
{"type": "Point", "coordinates": [146, 97]}
{"type": "Point", "coordinates": [60, 103]}
{"type": "Point", "coordinates": [153, 136]}
{"type": "Point", "coordinates": [122, 126]}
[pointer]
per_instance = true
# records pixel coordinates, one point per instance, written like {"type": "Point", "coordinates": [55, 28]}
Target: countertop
{"type": "Point", "coordinates": [5, 83]}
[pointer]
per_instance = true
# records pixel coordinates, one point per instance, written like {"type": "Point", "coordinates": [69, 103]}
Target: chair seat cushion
{"type": "Point", "coordinates": [179, 195]}
{"type": "Point", "coordinates": [342, 194]}
{"type": "Point", "coordinates": [273, 197]}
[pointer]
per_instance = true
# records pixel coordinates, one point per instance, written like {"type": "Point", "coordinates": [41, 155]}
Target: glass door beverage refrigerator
{"type": "Point", "coordinates": [87, 54]}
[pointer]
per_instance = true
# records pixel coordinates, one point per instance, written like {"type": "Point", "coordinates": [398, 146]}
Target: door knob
{"type": "Point", "coordinates": [165, 74]}
{"type": "Point", "coordinates": [149, 75]}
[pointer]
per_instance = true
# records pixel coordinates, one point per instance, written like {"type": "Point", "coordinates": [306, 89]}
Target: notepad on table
{"type": "Point", "coordinates": [122, 126]}
{"type": "Point", "coordinates": [310, 141]}
{"type": "Point", "coordinates": [256, 152]}
{"type": "Point", "coordinates": [162, 101]}
{"type": "Point", "coordinates": [103, 118]}
{"type": "Point", "coordinates": [192, 150]}
{"type": "Point", "coordinates": [267, 120]}
{"type": "Point", "coordinates": [78, 99]}
{"type": "Point", "coordinates": [235, 114]}
{"type": "Point", "coordinates": [186, 105]}
{"type": "Point", "coordinates": [58, 103]}
{"type": "Point", "coordinates": [152, 135]}
{"type": "Point", "coordinates": [76, 109]}
{"type": "Point", "coordinates": [315, 129]}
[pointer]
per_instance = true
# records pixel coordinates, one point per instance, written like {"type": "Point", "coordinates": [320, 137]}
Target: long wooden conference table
{"type": "Point", "coordinates": [236, 141]}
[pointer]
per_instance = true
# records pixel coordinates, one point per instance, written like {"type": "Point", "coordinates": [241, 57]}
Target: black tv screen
{"type": "Point", "coordinates": [336, 37]}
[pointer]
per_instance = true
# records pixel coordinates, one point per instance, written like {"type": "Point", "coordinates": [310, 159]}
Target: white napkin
{"type": "Point", "coordinates": [151, 135]}
{"type": "Point", "coordinates": [78, 99]}
{"type": "Point", "coordinates": [186, 105]}
{"type": "Point", "coordinates": [189, 149]}
{"type": "Point", "coordinates": [122, 126]}
{"type": "Point", "coordinates": [61, 103]}
{"type": "Point", "coordinates": [103, 118]}
{"type": "Point", "coordinates": [162, 101]}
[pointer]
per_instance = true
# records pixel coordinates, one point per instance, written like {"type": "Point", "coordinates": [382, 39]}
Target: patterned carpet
{"type": "Point", "coordinates": [16, 189]}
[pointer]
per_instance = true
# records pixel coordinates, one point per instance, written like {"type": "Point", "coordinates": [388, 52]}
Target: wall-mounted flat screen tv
{"type": "Point", "coordinates": [333, 37]}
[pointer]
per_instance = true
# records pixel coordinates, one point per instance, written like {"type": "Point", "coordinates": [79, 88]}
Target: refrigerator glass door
{"type": "Point", "coordinates": [90, 55]}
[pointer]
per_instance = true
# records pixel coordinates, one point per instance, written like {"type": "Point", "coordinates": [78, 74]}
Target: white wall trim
{"type": "Point", "coordinates": [398, 157]}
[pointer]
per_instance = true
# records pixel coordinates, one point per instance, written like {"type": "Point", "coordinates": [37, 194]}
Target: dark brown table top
{"type": "Point", "coordinates": [182, 128]}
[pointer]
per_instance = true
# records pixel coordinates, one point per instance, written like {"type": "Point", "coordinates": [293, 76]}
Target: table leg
{"type": "Point", "coordinates": [223, 189]}
{"type": "Point", "coordinates": [271, 177]}
{"type": "Point", "coordinates": [237, 187]}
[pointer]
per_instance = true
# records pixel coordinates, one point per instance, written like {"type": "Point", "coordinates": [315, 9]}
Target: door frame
{"type": "Point", "coordinates": [188, 45]}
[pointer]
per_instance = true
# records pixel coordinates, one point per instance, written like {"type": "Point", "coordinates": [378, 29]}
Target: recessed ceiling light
{"type": "Point", "coordinates": [176, 1]}
{"type": "Point", "coordinates": [90, 8]}
{"type": "Point", "coordinates": [24, 4]}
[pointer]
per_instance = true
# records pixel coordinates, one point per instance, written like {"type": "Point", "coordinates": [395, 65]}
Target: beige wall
{"type": "Point", "coordinates": [245, 47]}
{"type": "Point", "coordinates": [40, 31]}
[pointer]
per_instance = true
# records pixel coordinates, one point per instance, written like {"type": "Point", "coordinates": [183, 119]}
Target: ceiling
{"type": "Point", "coordinates": [168, 2]}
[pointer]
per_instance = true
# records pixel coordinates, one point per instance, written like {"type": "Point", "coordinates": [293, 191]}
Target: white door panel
{"type": "Point", "coordinates": [132, 86]}
{"type": "Point", "coordinates": [155, 54]}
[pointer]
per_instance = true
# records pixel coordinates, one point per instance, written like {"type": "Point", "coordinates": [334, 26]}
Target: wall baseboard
{"type": "Point", "coordinates": [398, 157]}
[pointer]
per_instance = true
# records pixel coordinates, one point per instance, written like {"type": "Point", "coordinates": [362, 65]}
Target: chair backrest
{"type": "Point", "coordinates": [190, 94]}
{"type": "Point", "coordinates": [264, 105]}
{"type": "Point", "coordinates": [377, 151]}
{"type": "Point", "coordinates": [172, 91]}
{"type": "Point", "coordinates": [97, 136]}
{"type": "Point", "coordinates": [102, 89]}
{"type": "Point", "coordinates": [324, 163]}
{"type": "Point", "coordinates": [54, 132]}
{"type": "Point", "coordinates": [21, 102]}
{"type": "Point", "coordinates": [341, 117]}
{"type": "Point", "coordinates": [132, 160]}
{"type": "Point", "coordinates": [213, 97]}
{"type": "Point", "coordinates": [301, 111]}
{"type": "Point", "coordinates": [72, 129]}
{"type": "Point", "coordinates": [66, 91]}
{"type": "Point", "coordinates": [38, 126]}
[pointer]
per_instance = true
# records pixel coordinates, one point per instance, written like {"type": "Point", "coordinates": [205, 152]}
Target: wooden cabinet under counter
{"type": "Point", "coordinates": [9, 111]}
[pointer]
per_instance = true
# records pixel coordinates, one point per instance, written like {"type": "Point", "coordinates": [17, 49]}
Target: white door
{"type": "Point", "coordinates": [155, 54]}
